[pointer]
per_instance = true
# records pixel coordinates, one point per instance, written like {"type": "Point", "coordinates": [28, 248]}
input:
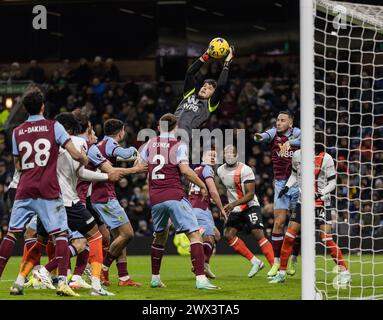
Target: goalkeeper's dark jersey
{"type": "Point", "coordinates": [192, 113]}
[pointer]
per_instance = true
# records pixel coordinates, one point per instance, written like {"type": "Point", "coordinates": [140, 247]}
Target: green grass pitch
{"type": "Point", "coordinates": [231, 272]}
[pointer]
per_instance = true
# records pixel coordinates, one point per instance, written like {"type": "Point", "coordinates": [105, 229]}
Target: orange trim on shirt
{"type": "Point", "coordinates": [318, 166]}
{"type": "Point", "coordinates": [238, 186]}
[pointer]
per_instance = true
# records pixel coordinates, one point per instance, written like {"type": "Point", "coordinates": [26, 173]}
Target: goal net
{"type": "Point", "coordinates": [348, 63]}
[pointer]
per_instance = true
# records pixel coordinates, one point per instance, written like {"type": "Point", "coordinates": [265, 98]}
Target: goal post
{"type": "Point", "coordinates": [307, 126]}
{"type": "Point", "coordinates": [342, 97]}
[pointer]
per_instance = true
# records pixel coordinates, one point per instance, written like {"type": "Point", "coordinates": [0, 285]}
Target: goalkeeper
{"type": "Point", "coordinates": [195, 108]}
{"type": "Point", "coordinates": [325, 183]}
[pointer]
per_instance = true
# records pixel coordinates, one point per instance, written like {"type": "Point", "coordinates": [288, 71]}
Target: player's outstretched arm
{"type": "Point", "coordinates": [215, 99]}
{"type": "Point", "coordinates": [215, 196]}
{"type": "Point", "coordinates": [189, 84]}
{"type": "Point", "coordinates": [189, 174]}
{"type": "Point", "coordinates": [93, 176]}
{"type": "Point", "coordinates": [75, 154]}
{"type": "Point", "coordinates": [266, 136]}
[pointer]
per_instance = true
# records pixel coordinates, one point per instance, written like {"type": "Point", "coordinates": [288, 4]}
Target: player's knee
{"type": "Point", "coordinates": [79, 244]}
{"type": "Point", "coordinates": [195, 236]}
{"type": "Point", "coordinates": [217, 235]}
{"type": "Point", "coordinates": [228, 235]}
{"type": "Point", "coordinates": [14, 235]}
{"type": "Point", "coordinates": [279, 224]}
{"type": "Point", "coordinates": [126, 234]}
{"type": "Point", "coordinates": [258, 234]}
{"type": "Point", "coordinates": [160, 238]}
{"type": "Point", "coordinates": [29, 233]}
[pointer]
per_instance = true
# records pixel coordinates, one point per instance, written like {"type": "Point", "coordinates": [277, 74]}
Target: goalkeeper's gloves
{"type": "Point", "coordinates": [205, 57]}
{"type": "Point", "coordinates": [283, 192]}
{"type": "Point", "coordinates": [229, 57]}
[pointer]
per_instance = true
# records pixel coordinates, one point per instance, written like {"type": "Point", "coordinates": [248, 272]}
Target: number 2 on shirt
{"type": "Point", "coordinates": [157, 168]}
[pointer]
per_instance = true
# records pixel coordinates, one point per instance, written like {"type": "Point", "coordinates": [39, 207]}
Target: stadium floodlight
{"type": "Point", "coordinates": [342, 97]}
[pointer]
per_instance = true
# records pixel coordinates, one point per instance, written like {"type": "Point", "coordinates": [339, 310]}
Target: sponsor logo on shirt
{"type": "Point", "coordinates": [191, 104]}
{"type": "Point", "coordinates": [286, 154]}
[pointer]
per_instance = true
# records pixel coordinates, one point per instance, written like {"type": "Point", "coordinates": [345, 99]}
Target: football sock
{"type": "Point", "coordinates": [197, 258]}
{"type": "Point", "coordinates": [62, 256]}
{"type": "Point", "coordinates": [277, 240]}
{"type": "Point", "coordinates": [267, 250]}
{"type": "Point", "coordinates": [122, 269]}
{"type": "Point", "coordinates": [95, 254]}
{"type": "Point", "coordinates": [240, 247]}
{"type": "Point", "coordinates": [287, 248]}
{"type": "Point", "coordinates": [81, 262]}
{"type": "Point", "coordinates": [27, 245]}
{"type": "Point", "coordinates": [33, 255]}
{"type": "Point", "coordinates": [335, 252]}
{"type": "Point", "coordinates": [6, 249]}
{"type": "Point", "coordinates": [208, 250]}
{"type": "Point", "coordinates": [157, 251]}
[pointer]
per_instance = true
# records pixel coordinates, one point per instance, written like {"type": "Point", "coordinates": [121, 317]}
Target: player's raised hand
{"type": "Point", "coordinates": [283, 192]}
{"type": "Point", "coordinates": [205, 56]}
{"type": "Point", "coordinates": [258, 137]}
{"type": "Point", "coordinates": [230, 56]}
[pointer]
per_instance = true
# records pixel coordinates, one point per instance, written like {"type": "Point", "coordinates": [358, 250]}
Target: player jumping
{"type": "Point", "coordinates": [167, 159]}
{"type": "Point", "coordinates": [325, 183]}
{"type": "Point", "coordinates": [243, 209]}
{"type": "Point", "coordinates": [284, 140]}
{"type": "Point", "coordinates": [196, 107]}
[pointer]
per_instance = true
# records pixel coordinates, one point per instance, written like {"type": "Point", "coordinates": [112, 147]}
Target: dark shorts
{"type": "Point", "coordinates": [79, 219]}
{"type": "Point", "coordinates": [322, 215]}
{"type": "Point", "coordinates": [247, 220]}
{"type": "Point", "coordinates": [93, 212]}
{"type": "Point", "coordinates": [11, 196]}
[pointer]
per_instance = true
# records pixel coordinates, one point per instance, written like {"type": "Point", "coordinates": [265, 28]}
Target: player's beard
{"type": "Point", "coordinates": [231, 162]}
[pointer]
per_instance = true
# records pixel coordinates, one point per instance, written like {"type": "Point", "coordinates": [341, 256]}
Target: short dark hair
{"type": "Point", "coordinates": [33, 100]}
{"type": "Point", "coordinates": [288, 113]}
{"type": "Point", "coordinates": [113, 126]}
{"type": "Point", "coordinates": [69, 122]}
{"type": "Point", "coordinates": [83, 121]}
{"type": "Point", "coordinates": [211, 82]}
{"type": "Point", "coordinates": [168, 122]}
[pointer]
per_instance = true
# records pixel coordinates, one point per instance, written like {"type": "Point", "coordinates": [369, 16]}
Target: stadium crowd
{"type": "Point", "coordinates": [255, 94]}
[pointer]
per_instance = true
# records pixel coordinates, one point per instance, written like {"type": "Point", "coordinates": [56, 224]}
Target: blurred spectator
{"type": "Point", "coordinates": [83, 73]}
{"type": "Point", "coordinates": [112, 74]}
{"type": "Point", "coordinates": [35, 72]}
